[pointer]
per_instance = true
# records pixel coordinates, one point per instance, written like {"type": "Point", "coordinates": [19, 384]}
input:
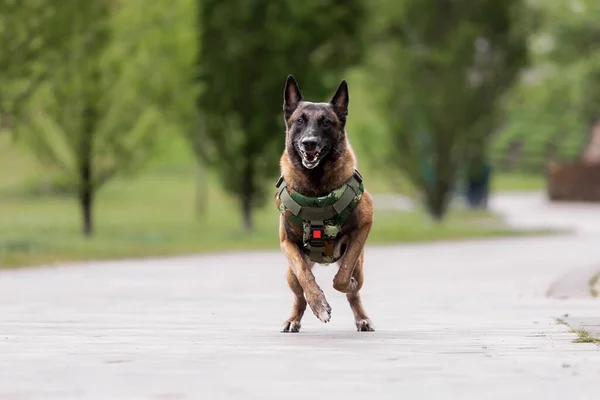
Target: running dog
{"type": "Point", "coordinates": [326, 213]}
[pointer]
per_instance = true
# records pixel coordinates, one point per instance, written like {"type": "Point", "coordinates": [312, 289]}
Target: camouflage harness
{"type": "Point", "coordinates": [319, 219]}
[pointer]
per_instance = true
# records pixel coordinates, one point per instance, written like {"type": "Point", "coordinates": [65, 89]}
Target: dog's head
{"type": "Point", "coordinates": [315, 131]}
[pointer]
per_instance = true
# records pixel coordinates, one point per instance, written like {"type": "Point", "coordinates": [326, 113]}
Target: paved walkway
{"type": "Point", "coordinates": [532, 210]}
{"type": "Point", "coordinates": [468, 320]}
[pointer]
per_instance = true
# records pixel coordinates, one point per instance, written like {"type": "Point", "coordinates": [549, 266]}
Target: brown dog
{"type": "Point", "coordinates": [326, 215]}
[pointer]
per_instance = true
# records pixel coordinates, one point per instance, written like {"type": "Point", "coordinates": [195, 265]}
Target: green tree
{"type": "Point", "coordinates": [31, 39]}
{"type": "Point", "coordinates": [550, 112]}
{"type": "Point", "coordinates": [169, 49]}
{"type": "Point", "coordinates": [98, 115]}
{"type": "Point", "coordinates": [443, 65]}
{"type": "Point", "coordinates": [247, 49]}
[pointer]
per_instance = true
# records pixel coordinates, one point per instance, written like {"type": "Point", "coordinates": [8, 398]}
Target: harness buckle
{"type": "Point", "coordinates": [279, 182]}
{"type": "Point", "coordinates": [317, 233]}
{"type": "Point", "coordinates": [358, 176]}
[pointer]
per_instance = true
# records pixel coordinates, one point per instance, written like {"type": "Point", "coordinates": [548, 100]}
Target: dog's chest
{"type": "Point", "coordinates": [317, 223]}
{"type": "Point", "coordinates": [330, 239]}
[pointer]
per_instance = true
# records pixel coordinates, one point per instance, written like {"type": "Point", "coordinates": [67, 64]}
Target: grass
{"type": "Point", "coordinates": [154, 215]}
{"type": "Point", "coordinates": [500, 182]}
{"type": "Point", "coordinates": [584, 337]}
{"type": "Point", "coordinates": [561, 321]}
{"type": "Point", "coordinates": [504, 182]}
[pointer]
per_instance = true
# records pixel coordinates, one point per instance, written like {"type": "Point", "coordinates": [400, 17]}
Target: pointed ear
{"type": "Point", "coordinates": [340, 101]}
{"type": "Point", "coordinates": [291, 97]}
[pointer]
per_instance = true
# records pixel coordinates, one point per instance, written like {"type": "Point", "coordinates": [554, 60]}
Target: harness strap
{"type": "Point", "coordinates": [287, 200]}
{"type": "Point", "coordinates": [319, 213]}
{"type": "Point", "coordinates": [316, 247]}
{"type": "Point", "coordinates": [314, 217]}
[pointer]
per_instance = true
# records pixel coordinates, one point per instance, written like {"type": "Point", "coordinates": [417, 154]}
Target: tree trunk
{"type": "Point", "coordinates": [247, 211]}
{"type": "Point", "coordinates": [201, 192]}
{"type": "Point", "coordinates": [438, 197]}
{"type": "Point", "coordinates": [247, 195]}
{"type": "Point", "coordinates": [86, 199]}
{"type": "Point", "coordinates": [86, 184]}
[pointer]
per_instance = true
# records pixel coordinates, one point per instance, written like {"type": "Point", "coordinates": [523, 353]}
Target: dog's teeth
{"type": "Point", "coordinates": [311, 156]}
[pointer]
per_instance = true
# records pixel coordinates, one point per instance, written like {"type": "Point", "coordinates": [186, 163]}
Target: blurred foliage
{"type": "Point", "coordinates": [151, 216]}
{"type": "Point", "coordinates": [442, 67]}
{"type": "Point", "coordinates": [550, 112]}
{"type": "Point", "coordinates": [99, 113]}
{"type": "Point", "coordinates": [247, 49]}
{"type": "Point", "coordinates": [32, 36]}
{"type": "Point", "coordinates": [96, 89]}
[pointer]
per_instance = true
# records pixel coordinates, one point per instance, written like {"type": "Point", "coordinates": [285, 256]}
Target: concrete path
{"type": "Point", "coordinates": [533, 210]}
{"type": "Point", "coordinates": [468, 320]}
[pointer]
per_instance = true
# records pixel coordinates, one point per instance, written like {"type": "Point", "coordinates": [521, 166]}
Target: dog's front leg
{"type": "Point", "coordinates": [343, 280]}
{"type": "Point", "coordinates": [349, 278]}
{"type": "Point", "coordinates": [301, 267]}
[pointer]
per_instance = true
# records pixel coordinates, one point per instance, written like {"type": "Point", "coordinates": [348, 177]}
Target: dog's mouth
{"type": "Point", "coordinates": [310, 159]}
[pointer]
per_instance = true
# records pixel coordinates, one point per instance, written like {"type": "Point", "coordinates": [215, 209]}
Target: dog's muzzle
{"type": "Point", "coordinates": [311, 152]}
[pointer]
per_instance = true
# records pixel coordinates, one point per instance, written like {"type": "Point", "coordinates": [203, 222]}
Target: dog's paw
{"type": "Point", "coordinates": [320, 307]}
{"type": "Point", "coordinates": [291, 326]}
{"type": "Point", "coordinates": [365, 325]}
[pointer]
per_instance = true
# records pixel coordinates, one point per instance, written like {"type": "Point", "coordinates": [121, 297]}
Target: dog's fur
{"type": "Point", "coordinates": [323, 124]}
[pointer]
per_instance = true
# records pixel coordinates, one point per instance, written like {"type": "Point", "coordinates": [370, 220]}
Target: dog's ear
{"type": "Point", "coordinates": [340, 101]}
{"type": "Point", "coordinates": [291, 97]}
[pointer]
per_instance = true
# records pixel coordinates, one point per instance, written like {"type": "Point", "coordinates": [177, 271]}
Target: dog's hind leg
{"type": "Point", "coordinates": [293, 322]}
{"type": "Point", "coordinates": [363, 323]}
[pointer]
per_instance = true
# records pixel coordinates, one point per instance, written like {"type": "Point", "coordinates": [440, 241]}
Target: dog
{"type": "Point", "coordinates": [326, 215]}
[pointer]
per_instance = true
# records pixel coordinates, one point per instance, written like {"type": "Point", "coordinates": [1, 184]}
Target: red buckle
{"type": "Point", "coordinates": [316, 235]}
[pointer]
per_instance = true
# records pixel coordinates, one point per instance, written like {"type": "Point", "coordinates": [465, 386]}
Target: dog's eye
{"type": "Point", "coordinates": [300, 121]}
{"type": "Point", "coordinates": [326, 123]}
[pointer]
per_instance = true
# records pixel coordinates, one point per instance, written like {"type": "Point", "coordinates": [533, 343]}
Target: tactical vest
{"type": "Point", "coordinates": [319, 220]}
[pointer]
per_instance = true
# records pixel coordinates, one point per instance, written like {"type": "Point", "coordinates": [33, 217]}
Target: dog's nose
{"type": "Point", "coordinates": [310, 143]}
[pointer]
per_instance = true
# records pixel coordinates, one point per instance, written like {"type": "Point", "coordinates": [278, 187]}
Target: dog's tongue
{"type": "Point", "coordinates": [310, 155]}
